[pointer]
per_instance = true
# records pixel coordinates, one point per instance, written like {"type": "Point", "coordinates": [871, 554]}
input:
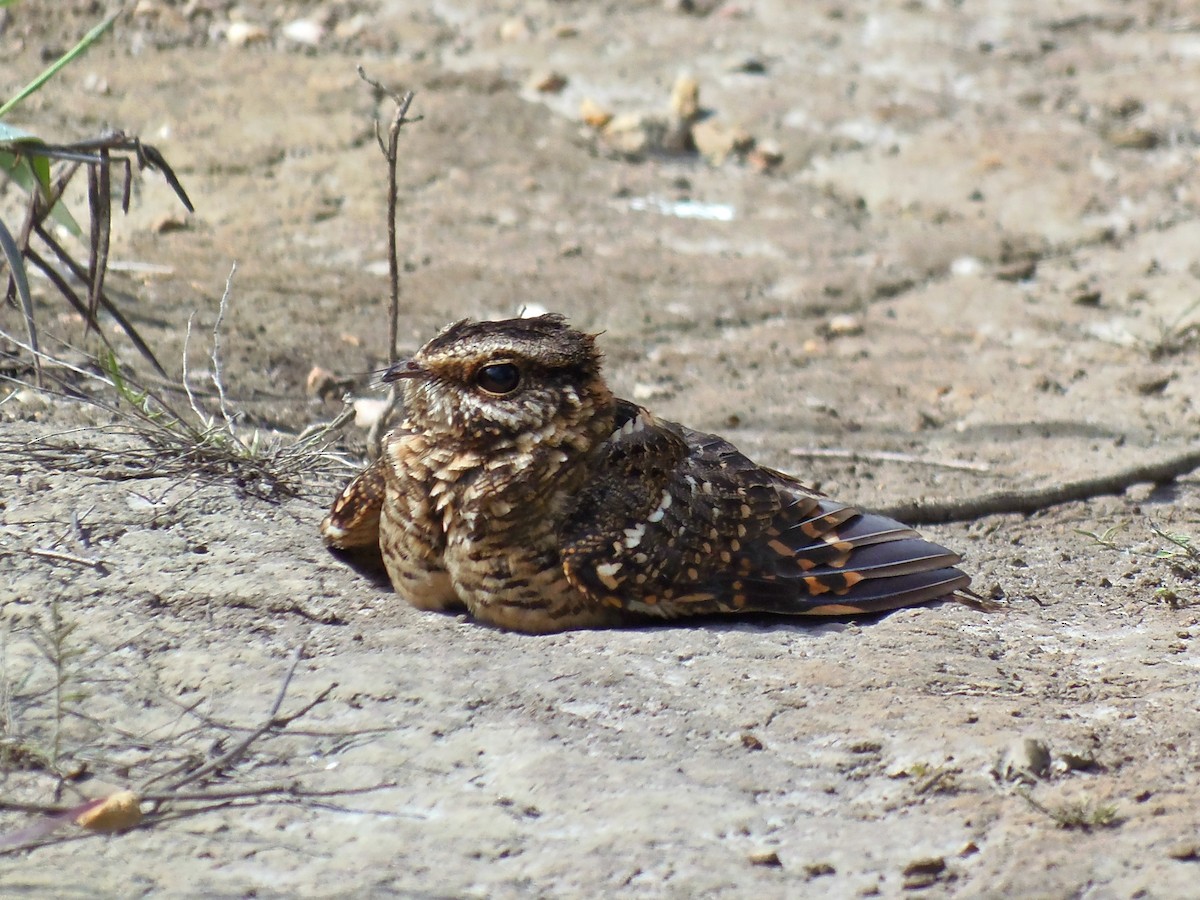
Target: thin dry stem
{"type": "Point", "coordinates": [391, 154]}
{"type": "Point", "coordinates": [186, 377]}
{"type": "Point", "coordinates": [218, 379]}
{"type": "Point", "coordinates": [888, 456]}
{"type": "Point", "coordinates": [239, 750]}
{"type": "Point", "coordinates": [1032, 500]}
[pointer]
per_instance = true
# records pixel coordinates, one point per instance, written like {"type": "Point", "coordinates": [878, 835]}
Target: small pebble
{"type": "Point", "coordinates": [1156, 385]}
{"type": "Point", "coordinates": [844, 325]}
{"type": "Point", "coordinates": [242, 34]}
{"type": "Point", "coordinates": [685, 98]}
{"type": "Point", "coordinates": [305, 32]}
{"type": "Point", "coordinates": [634, 133]}
{"type": "Point", "coordinates": [966, 266]}
{"type": "Point", "coordinates": [717, 141]}
{"type": "Point", "coordinates": [750, 65]}
{"type": "Point", "coordinates": [95, 84]}
{"type": "Point", "coordinates": [922, 873]}
{"type": "Point", "coordinates": [750, 741]}
{"type": "Point", "coordinates": [1026, 760]}
{"type": "Point", "coordinates": [593, 114]}
{"type": "Point", "coordinates": [1021, 270]}
{"type": "Point", "coordinates": [368, 411]}
{"type": "Point", "coordinates": [513, 30]}
{"type": "Point", "coordinates": [765, 858]}
{"type": "Point", "coordinates": [319, 382]}
{"type": "Point", "coordinates": [765, 156]}
{"type": "Point", "coordinates": [1185, 851]}
{"type": "Point", "coordinates": [117, 812]}
{"type": "Point", "coordinates": [548, 82]}
{"type": "Point", "coordinates": [1134, 138]}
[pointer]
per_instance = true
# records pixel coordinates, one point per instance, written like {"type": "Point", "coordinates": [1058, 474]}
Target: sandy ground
{"type": "Point", "coordinates": [980, 245]}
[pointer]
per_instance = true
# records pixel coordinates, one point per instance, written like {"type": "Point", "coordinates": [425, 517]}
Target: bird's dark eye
{"type": "Point", "coordinates": [498, 378]}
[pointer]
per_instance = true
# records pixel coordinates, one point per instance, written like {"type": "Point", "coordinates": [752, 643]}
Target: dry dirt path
{"type": "Point", "coordinates": [980, 244]}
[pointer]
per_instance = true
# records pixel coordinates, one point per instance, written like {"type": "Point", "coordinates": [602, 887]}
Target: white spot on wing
{"type": "Point", "coordinates": [607, 574]}
{"type": "Point", "coordinates": [633, 536]}
{"type": "Point", "coordinates": [663, 505]}
{"type": "Point", "coordinates": [637, 423]}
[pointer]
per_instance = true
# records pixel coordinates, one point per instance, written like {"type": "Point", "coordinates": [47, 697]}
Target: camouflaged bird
{"type": "Point", "coordinates": [519, 487]}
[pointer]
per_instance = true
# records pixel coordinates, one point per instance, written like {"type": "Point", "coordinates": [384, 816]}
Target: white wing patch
{"type": "Point", "coordinates": [661, 510]}
{"type": "Point", "coordinates": [633, 536]}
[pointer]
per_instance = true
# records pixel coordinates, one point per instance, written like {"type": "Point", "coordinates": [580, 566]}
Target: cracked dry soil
{"type": "Point", "coordinates": [981, 244]}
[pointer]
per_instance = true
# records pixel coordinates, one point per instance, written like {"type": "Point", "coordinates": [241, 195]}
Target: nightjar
{"type": "Point", "coordinates": [519, 487]}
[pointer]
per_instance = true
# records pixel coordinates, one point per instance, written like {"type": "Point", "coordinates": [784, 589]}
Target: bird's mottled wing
{"type": "Point", "coordinates": [682, 523]}
{"type": "Point", "coordinates": [353, 519]}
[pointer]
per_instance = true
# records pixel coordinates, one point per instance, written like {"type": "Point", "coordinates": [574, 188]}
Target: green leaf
{"type": "Point", "coordinates": [16, 267]}
{"type": "Point", "coordinates": [66, 59]}
{"type": "Point", "coordinates": [11, 134]}
{"type": "Point", "coordinates": [32, 172]}
{"type": "Point", "coordinates": [19, 169]}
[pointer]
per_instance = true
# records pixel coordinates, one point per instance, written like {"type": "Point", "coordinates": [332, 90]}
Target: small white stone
{"type": "Point", "coordinates": [304, 31]}
{"type": "Point", "coordinates": [845, 325]}
{"type": "Point", "coordinates": [514, 29]}
{"type": "Point", "coordinates": [966, 265]}
{"type": "Point", "coordinates": [367, 411]}
{"type": "Point", "coordinates": [242, 34]}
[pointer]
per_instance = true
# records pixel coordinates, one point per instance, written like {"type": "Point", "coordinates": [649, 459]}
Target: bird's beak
{"type": "Point", "coordinates": [406, 368]}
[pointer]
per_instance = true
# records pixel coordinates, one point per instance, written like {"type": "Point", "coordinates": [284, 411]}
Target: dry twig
{"type": "Point", "coordinates": [933, 512]}
{"type": "Point", "coordinates": [166, 801]}
{"type": "Point", "coordinates": [390, 152]}
{"type": "Point", "coordinates": [272, 722]}
{"type": "Point", "coordinates": [888, 456]}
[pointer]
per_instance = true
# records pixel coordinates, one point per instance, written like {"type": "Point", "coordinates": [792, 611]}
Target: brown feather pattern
{"type": "Point", "coordinates": [553, 505]}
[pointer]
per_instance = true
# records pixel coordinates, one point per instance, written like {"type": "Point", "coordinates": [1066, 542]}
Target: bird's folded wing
{"type": "Point", "coordinates": [353, 519]}
{"type": "Point", "coordinates": [683, 524]}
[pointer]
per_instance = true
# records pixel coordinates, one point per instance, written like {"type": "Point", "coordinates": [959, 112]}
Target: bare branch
{"type": "Point", "coordinates": [888, 456]}
{"type": "Point", "coordinates": [391, 154]}
{"type": "Point", "coordinates": [271, 722]}
{"type": "Point", "coordinates": [933, 512]}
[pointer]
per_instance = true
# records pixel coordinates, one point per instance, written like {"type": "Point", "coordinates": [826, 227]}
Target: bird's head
{"type": "Point", "coordinates": [492, 385]}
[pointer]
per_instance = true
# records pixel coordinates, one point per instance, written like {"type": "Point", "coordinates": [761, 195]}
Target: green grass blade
{"type": "Point", "coordinates": [18, 168]}
{"type": "Point", "coordinates": [32, 172]}
{"type": "Point", "coordinates": [16, 267]}
{"type": "Point", "coordinates": [66, 59]}
{"type": "Point", "coordinates": [11, 134]}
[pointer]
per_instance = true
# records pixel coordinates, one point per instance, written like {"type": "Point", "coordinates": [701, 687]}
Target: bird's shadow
{"type": "Point", "coordinates": [767, 622]}
{"type": "Point", "coordinates": [366, 561]}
